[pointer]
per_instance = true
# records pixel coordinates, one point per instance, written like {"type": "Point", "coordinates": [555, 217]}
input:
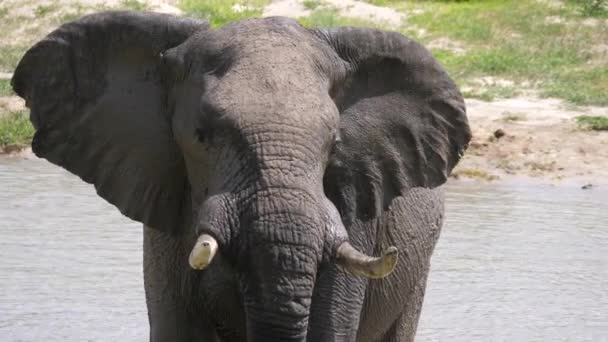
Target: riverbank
{"type": "Point", "coordinates": [529, 70]}
{"type": "Point", "coordinates": [520, 139]}
{"type": "Point", "coordinates": [535, 139]}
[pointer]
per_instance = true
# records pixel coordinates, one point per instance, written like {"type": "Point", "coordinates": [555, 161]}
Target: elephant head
{"type": "Point", "coordinates": [270, 139]}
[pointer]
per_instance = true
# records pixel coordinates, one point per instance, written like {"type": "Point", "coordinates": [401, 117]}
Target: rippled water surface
{"type": "Point", "coordinates": [514, 263]}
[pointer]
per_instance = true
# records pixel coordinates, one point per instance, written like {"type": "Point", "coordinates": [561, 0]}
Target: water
{"type": "Point", "coordinates": [520, 264]}
{"type": "Point", "coordinates": [514, 263]}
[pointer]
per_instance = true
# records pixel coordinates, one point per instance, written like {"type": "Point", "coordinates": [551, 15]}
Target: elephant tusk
{"type": "Point", "coordinates": [363, 265]}
{"type": "Point", "coordinates": [203, 252]}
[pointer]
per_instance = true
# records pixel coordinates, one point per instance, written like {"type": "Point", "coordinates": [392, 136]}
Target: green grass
{"type": "Point", "coordinates": [221, 12]}
{"type": "Point", "coordinates": [135, 5]}
{"type": "Point", "coordinates": [591, 8]}
{"type": "Point", "coordinates": [10, 56]}
{"type": "Point", "coordinates": [513, 40]}
{"type": "Point", "coordinates": [491, 93]}
{"type": "Point", "coordinates": [586, 86]}
{"type": "Point", "coordinates": [311, 4]}
{"type": "Point", "coordinates": [43, 10]}
{"type": "Point", "coordinates": [15, 130]}
{"type": "Point", "coordinates": [475, 174]}
{"type": "Point", "coordinates": [384, 3]}
{"type": "Point", "coordinates": [513, 117]}
{"type": "Point", "coordinates": [5, 87]}
{"type": "Point", "coordinates": [71, 16]}
{"type": "Point", "coordinates": [596, 123]}
{"type": "Point", "coordinates": [329, 17]}
{"type": "Point", "coordinates": [76, 11]}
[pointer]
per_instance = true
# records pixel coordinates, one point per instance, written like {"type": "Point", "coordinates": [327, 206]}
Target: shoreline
{"type": "Point", "coordinates": [590, 182]}
{"type": "Point", "coordinates": [517, 140]}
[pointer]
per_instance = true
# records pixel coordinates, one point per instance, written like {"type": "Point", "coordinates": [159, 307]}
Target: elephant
{"type": "Point", "coordinates": [288, 179]}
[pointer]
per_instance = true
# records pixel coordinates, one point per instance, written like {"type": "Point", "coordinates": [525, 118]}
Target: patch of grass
{"type": "Point", "coordinates": [10, 56]}
{"type": "Point", "coordinates": [311, 4]}
{"type": "Point", "coordinates": [134, 5]}
{"type": "Point", "coordinates": [43, 10]}
{"type": "Point", "coordinates": [3, 12]}
{"type": "Point", "coordinates": [68, 17]}
{"type": "Point", "coordinates": [586, 86]}
{"type": "Point", "coordinates": [507, 166]}
{"type": "Point", "coordinates": [222, 12]}
{"type": "Point", "coordinates": [76, 11]}
{"type": "Point", "coordinates": [592, 8]}
{"type": "Point", "coordinates": [490, 93]}
{"type": "Point", "coordinates": [384, 3]}
{"type": "Point", "coordinates": [541, 166]}
{"type": "Point", "coordinates": [5, 87]}
{"type": "Point", "coordinates": [475, 174]}
{"type": "Point", "coordinates": [463, 22]}
{"type": "Point", "coordinates": [513, 39]}
{"type": "Point", "coordinates": [15, 130]}
{"type": "Point", "coordinates": [596, 123]}
{"type": "Point", "coordinates": [513, 117]}
{"type": "Point", "coordinates": [329, 17]}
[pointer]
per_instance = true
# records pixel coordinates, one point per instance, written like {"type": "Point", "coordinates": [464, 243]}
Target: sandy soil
{"type": "Point", "coordinates": [11, 104]}
{"type": "Point", "coordinates": [30, 20]}
{"type": "Point", "coordinates": [535, 138]}
{"type": "Point", "coordinates": [348, 8]}
{"type": "Point", "coordinates": [517, 138]}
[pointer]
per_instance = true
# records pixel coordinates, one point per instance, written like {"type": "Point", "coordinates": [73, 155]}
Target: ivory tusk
{"type": "Point", "coordinates": [360, 264]}
{"type": "Point", "coordinates": [203, 252]}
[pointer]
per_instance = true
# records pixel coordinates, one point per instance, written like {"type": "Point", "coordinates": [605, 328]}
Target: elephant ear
{"type": "Point", "coordinates": [96, 96]}
{"type": "Point", "coordinates": [403, 120]}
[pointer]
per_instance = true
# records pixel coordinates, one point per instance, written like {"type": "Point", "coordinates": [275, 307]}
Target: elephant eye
{"type": "Point", "coordinates": [335, 141]}
{"type": "Point", "coordinates": [337, 138]}
{"type": "Point", "coordinates": [202, 135]}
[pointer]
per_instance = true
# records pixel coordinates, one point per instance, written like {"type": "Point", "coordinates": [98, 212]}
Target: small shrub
{"type": "Point", "coordinates": [134, 5]}
{"type": "Point", "coordinates": [10, 56]}
{"type": "Point", "coordinates": [43, 10]}
{"type": "Point", "coordinates": [222, 12]}
{"type": "Point", "coordinates": [330, 17]}
{"type": "Point", "coordinates": [311, 4]}
{"type": "Point", "coordinates": [596, 123]}
{"type": "Point", "coordinates": [5, 87]}
{"type": "Point", "coordinates": [593, 7]}
{"type": "Point", "coordinates": [475, 174]}
{"type": "Point", "coordinates": [513, 117]}
{"type": "Point", "coordinates": [15, 130]}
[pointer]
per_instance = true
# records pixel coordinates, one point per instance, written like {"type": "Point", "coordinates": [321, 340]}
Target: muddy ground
{"type": "Point", "coordinates": [521, 138]}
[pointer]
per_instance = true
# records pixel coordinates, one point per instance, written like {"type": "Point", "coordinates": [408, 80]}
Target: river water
{"type": "Point", "coordinates": [514, 263]}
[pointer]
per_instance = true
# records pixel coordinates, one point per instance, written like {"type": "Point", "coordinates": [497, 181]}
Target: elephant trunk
{"type": "Point", "coordinates": [286, 322]}
{"type": "Point", "coordinates": [278, 299]}
{"type": "Point", "coordinates": [280, 263]}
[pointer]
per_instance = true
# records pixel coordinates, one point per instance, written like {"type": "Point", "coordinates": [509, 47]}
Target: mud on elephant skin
{"type": "Point", "coordinates": [267, 162]}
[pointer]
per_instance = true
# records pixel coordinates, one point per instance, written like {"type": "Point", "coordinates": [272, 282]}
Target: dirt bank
{"type": "Point", "coordinates": [535, 138]}
{"type": "Point", "coordinates": [347, 8]}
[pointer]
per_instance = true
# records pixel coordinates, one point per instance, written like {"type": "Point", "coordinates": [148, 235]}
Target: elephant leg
{"type": "Point", "coordinates": [404, 328]}
{"type": "Point", "coordinates": [172, 310]}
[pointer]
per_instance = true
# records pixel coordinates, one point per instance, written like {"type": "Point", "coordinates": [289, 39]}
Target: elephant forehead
{"type": "Point", "coordinates": [270, 105]}
{"type": "Point", "coordinates": [264, 44]}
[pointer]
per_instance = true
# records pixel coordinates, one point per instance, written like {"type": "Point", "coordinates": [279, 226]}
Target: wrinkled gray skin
{"type": "Point", "coordinates": [279, 141]}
